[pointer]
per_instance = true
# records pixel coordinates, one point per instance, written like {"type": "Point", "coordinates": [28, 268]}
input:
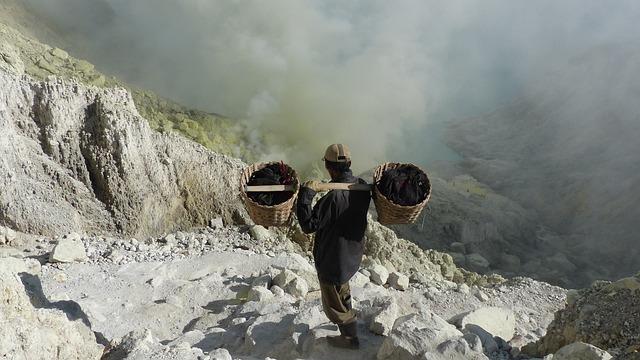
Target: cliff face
{"type": "Point", "coordinates": [80, 158]}
{"type": "Point", "coordinates": [568, 149]}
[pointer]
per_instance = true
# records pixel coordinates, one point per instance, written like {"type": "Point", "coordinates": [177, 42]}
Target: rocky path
{"type": "Point", "coordinates": [218, 292]}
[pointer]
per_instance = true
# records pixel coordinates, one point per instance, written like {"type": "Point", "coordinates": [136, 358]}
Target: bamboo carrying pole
{"type": "Point", "coordinates": [318, 187]}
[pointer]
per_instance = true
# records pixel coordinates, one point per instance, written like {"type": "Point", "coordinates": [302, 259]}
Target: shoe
{"type": "Point", "coordinates": [344, 342]}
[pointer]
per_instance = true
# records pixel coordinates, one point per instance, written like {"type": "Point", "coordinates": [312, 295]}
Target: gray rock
{"type": "Point", "coordinates": [59, 53]}
{"type": "Point", "coordinates": [581, 351]}
{"type": "Point", "coordinates": [455, 349]}
{"type": "Point", "coordinates": [284, 277]}
{"type": "Point", "coordinates": [297, 287]}
{"type": "Point", "coordinates": [382, 323]}
{"type": "Point", "coordinates": [398, 281]}
{"type": "Point", "coordinates": [7, 235]}
{"type": "Point", "coordinates": [69, 249]}
{"type": "Point", "coordinates": [379, 274]}
{"type": "Point", "coordinates": [474, 341]}
{"type": "Point", "coordinates": [464, 289]}
{"type": "Point", "coordinates": [497, 321]}
{"type": "Point", "coordinates": [259, 293]}
{"type": "Point", "coordinates": [359, 280]}
{"type": "Point", "coordinates": [260, 233]}
{"type": "Point", "coordinates": [190, 337]}
{"type": "Point", "coordinates": [457, 247]}
{"type": "Point", "coordinates": [216, 223]}
{"type": "Point", "coordinates": [141, 344]}
{"type": "Point", "coordinates": [388, 265]}
{"type": "Point", "coordinates": [277, 291]}
{"type": "Point", "coordinates": [476, 262]}
{"type": "Point", "coordinates": [415, 334]}
{"type": "Point", "coordinates": [220, 354]}
{"type": "Point", "coordinates": [481, 295]}
{"type": "Point", "coordinates": [487, 340]}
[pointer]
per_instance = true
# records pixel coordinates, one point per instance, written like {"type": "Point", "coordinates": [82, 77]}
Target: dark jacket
{"type": "Point", "coordinates": [339, 220]}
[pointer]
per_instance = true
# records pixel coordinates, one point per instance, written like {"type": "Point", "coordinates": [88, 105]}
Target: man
{"type": "Point", "coordinates": [339, 220]}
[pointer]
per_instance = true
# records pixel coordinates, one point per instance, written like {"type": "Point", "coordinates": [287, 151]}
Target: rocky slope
{"type": "Point", "coordinates": [606, 315]}
{"type": "Point", "coordinates": [225, 292]}
{"type": "Point", "coordinates": [82, 158]}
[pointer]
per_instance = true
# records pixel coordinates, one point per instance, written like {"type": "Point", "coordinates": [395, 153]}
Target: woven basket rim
{"type": "Point", "coordinates": [378, 172]}
{"type": "Point", "coordinates": [257, 166]}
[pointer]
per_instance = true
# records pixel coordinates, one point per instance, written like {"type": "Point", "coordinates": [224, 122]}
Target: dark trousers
{"type": "Point", "coordinates": [336, 303]}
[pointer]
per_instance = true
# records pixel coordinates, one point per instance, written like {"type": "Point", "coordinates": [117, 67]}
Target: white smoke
{"type": "Point", "coordinates": [373, 74]}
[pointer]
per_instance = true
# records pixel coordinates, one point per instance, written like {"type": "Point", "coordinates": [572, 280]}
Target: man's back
{"type": "Point", "coordinates": [339, 244]}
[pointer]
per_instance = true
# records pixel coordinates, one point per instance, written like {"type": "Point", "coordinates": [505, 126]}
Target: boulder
{"type": "Point", "coordinates": [415, 334]}
{"type": "Point", "coordinates": [476, 262]}
{"type": "Point", "coordinates": [581, 351]}
{"type": "Point", "coordinates": [382, 323]}
{"type": "Point", "coordinates": [388, 265]}
{"type": "Point", "coordinates": [284, 277]}
{"type": "Point", "coordinates": [359, 280]}
{"type": "Point", "coordinates": [455, 349]}
{"type": "Point", "coordinates": [497, 321]}
{"type": "Point", "coordinates": [216, 223]}
{"type": "Point", "coordinates": [457, 247]}
{"type": "Point", "coordinates": [297, 288]}
{"type": "Point", "coordinates": [481, 295]}
{"type": "Point", "coordinates": [259, 293]}
{"type": "Point", "coordinates": [69, 249]}
{"type": "Point", "coordinates": [220, 354]}
{"type": "Point", "coordinates": [7, 235]}
{"type": "Point", "coordinates": [464, 289]}
{"type": "Point", "coordinates": [59, 53]}
{"type": "Point", "coordinates": [142, 345]}
{"type": "Point", "coordinates": [379, 274]}
{"type": "Point", "coordinates": [488, 343]}
{"type": "Point", "coordinates": [260, 233]}
{"type": "Point", "coordinates": [398, 281]}
{"type": "Point", "coordinates": [277, 291]}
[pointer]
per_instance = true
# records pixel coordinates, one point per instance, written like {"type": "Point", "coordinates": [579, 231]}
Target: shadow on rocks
{"type": "Point", "coordinates": [70, 308]}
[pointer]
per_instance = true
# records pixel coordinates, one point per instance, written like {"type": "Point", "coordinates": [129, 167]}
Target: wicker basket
{"type": "Point", "coordinates": [389, 212]}
{"type": "Point", "coordinates": [276, 215]}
